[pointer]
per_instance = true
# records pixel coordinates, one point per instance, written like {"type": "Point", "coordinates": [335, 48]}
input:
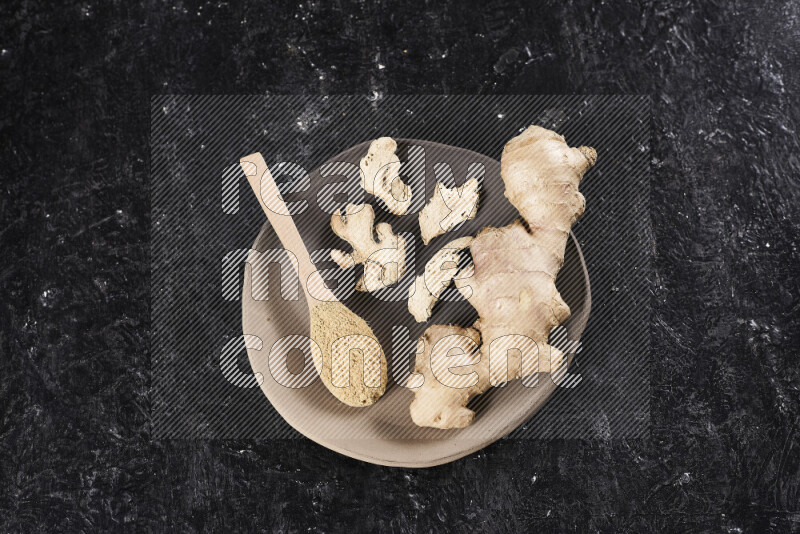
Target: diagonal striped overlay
{"type": "Point", "coordinates": [204, 220]}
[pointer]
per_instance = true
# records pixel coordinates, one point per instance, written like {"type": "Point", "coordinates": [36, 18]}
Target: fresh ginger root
{"type": "Point", "coordinates": [451, 382]}
{"type": "Point", "coordinates": [515, 268]}
{"type": "Point", "coordinates": [440, 402]}
{"type": "Point", "coordinates": [380, 176]}
{"type": "Point", "coordinates": [384, 259]}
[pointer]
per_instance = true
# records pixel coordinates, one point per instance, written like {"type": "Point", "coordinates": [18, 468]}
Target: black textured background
{"type": "Point", "coordinates": [75, 453]}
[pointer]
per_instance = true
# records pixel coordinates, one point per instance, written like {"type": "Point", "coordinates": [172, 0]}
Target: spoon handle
{"type": "Point", "coordinates": [271, 201]}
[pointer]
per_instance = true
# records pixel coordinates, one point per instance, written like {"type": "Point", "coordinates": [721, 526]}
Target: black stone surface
{"type": "Point", "coordinates": [724, 453]}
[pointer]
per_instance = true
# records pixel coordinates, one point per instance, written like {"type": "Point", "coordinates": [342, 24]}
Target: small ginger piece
{"type": "Point", "coordinates": [440, 402]}
{"type": "Point", "coordinates": [439, 272]}
{"type": "Point", "coordinates": [380, 176]}
{"type": "Point", "coordinates": [447, 208]}
{"type": "Point", "coordinates": [384, 259]}
{"type": "Point", "coordinates": [513, 287]}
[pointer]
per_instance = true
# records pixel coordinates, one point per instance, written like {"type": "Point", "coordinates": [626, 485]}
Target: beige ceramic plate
{"type": "Point", "coordinates": [384, 433]}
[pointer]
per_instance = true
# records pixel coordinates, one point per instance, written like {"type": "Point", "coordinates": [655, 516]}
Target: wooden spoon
{"type": "Point", "coordinates": [345, 351]}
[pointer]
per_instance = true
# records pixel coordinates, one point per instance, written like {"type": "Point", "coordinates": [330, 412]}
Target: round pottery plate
{"type": "Point", "coordinates": [384, 433]}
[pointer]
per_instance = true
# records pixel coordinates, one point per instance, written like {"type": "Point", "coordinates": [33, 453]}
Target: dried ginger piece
{"type": "Point", "coordinates": [438, 274]}
{"type": "Point", "coordinates": [515, 268]}
{"type": "Point", "coordinates": [380, 176]}
{"type": "Point", "coordinates": [384, 259]}
{"type": "Point", "coordinates": [447, 208]}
